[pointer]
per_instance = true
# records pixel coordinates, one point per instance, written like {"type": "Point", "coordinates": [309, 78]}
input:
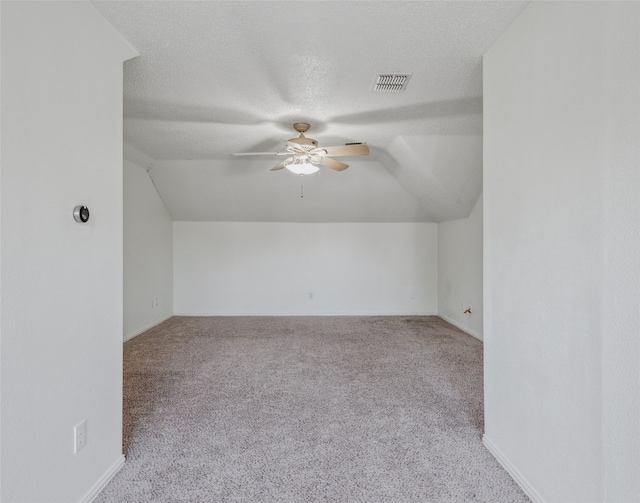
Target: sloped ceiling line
{"type": "Point", "coordinates": [434, 168]}
{"type": "Point", "coordinates": [214, 78]}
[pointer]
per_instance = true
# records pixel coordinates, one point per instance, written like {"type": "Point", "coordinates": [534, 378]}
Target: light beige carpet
{"type": "Point", "coordinates": [305, 409]}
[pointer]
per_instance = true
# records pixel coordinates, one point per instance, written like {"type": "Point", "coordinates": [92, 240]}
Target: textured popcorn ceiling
{"type": "Point", "coordinates": [219, 77]}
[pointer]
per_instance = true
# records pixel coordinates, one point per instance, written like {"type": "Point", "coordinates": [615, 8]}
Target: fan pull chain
{"type": "Point", "coordinates": [301, 186]}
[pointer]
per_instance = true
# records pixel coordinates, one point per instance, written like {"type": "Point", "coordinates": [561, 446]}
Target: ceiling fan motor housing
{"type": "Point", "coordinates": [304, 142]}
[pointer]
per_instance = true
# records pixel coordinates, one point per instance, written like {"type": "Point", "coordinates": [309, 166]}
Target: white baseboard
{"type": "Point", "coordinates": [103, 481]}
{"type": "Point", "coordinates": [144, 329]}
{"type": "Point", "coordinates": [305, 314]}
{"type": "Point", "coordinates": [461, 327]}
{"type": "Point", "coordinates": [511, 470]}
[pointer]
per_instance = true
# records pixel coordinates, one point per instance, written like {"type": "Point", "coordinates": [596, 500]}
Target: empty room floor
{"type": "Point", "coordinates": [306, 409]}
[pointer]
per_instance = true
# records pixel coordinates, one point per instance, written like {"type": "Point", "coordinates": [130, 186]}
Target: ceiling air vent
{"type": "Point", "coordinates": [391, 82]}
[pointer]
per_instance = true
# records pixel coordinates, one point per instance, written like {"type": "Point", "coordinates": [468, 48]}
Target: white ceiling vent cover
{"type": "Point", "coordinates": [391, 82]}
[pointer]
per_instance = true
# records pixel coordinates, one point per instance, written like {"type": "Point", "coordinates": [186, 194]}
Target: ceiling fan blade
{"type": "Point", "coordinates": [279, 166]}
{"type": "Point", "coordinates": [333, 164]}
{"type": "Point", "coordinates": [260, 153]}
{"type": "Point", "coordinates": [340, 150]}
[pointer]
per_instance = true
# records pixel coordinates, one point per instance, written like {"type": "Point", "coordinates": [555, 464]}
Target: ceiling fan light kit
{"type": "Point", "coordinates": [300, 167]}
{"type": "Point", "coordinates": [306, 155]}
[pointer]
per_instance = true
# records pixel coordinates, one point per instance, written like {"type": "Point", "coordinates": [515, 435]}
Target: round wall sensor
{"type": "Point", "coordinates": [81, 214]}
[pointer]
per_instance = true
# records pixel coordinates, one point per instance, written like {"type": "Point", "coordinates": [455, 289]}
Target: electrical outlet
{"type": "Point", "coordinates": [79, 436]}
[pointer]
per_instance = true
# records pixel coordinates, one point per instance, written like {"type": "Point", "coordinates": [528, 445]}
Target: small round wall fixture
{"type": "Point", "coordinates": [81, 214]}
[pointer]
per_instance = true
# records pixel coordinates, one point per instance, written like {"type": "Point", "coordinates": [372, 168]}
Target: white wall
{"type": "Point", "coordinates": [561, 255]}
{"type": "Point", "coordinates": [271, 268]}
{"type": "Point", "coordinates": [61, 309]}
{"type": "Point", "coordinates": [460, 271]}
{"type": "Point", "coordinates": [148, 249]}
{"type": "Point", "coordinates": [620, 323]}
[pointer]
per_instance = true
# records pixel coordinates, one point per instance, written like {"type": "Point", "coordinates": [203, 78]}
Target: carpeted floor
{"type": "Point", "coordinates": [305, 409]}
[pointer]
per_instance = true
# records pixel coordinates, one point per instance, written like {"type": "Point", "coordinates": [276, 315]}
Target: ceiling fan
{"type": "Point", "coordinates": [305, 154]}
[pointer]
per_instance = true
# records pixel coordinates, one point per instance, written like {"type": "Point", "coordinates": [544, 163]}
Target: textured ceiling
{"type": "Point", "coordinates": [217, 77]}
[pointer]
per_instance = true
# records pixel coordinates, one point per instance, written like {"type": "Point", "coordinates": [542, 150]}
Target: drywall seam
{"type": "Point", "coordinates": [511, 470]}
{"type": "Point", "coordinates": [103, 481]}
{"type": "Point", "coordinates": [144, 329]}
{"type": "Point", "coordinates": [461, 327]}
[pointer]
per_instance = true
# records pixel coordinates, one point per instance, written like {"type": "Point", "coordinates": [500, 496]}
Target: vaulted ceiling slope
{"type": "Point", "coordinates": [218, 77]}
